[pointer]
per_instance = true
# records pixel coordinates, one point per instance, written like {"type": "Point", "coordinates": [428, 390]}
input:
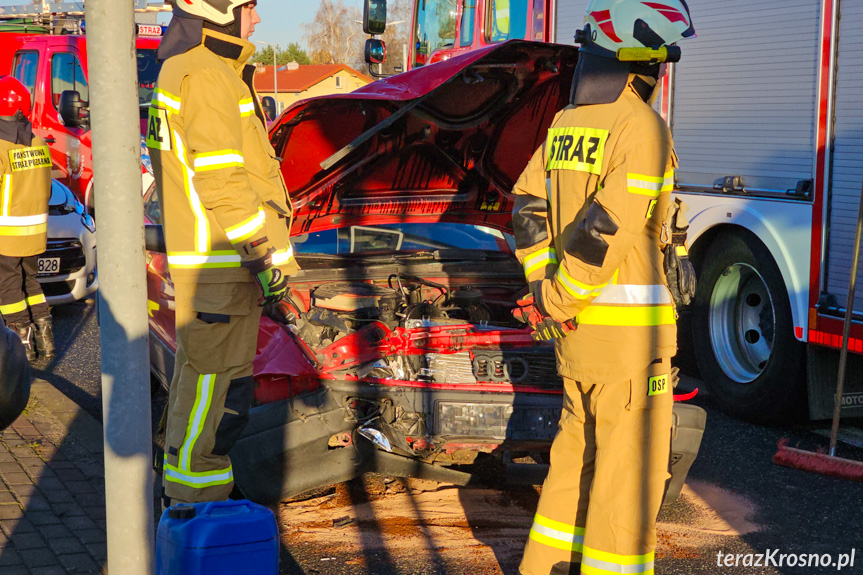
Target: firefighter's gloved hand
{"type": "Point", "coordinates": [544, 327]}
{"type": "Point", "coordinates": [284, 311]}
{"type": "Point", "coordinates": [273, 285]}
{"type": "Point", "coordinates": [549, 329]}
{"type": "Point", "coordinates": [527, 312]}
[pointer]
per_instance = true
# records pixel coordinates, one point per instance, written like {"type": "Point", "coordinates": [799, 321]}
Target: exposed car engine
{"type": "Point", "coordinates": [366, 311]}
{"type": "Point", "coordinates": [339, 309]}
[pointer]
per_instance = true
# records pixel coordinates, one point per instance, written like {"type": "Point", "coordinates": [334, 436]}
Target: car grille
{"type": "Point", "coordinates": [522, 367]}
{"type": "Point", "coordinates": [54, 289]}
{"type": "Point", "coordinates": [535, 367]}
{"type": "Point", "coordinates": [71, 254]}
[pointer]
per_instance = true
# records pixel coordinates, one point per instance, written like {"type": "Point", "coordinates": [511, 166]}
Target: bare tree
{"type": "Point", "coordinates": [397, 35]}
{"type": "Point", "coordinates": [334, 37]}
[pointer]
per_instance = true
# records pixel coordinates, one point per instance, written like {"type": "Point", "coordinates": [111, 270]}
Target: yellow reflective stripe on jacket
{"type": "Point", "coordinates": [208, 260]}
{"type": "Point", "coordinates": [651, 186]}
{"type": "Point", "coordinates": [15, 221]}
{"type": "Point", "coordinates": [624, 294]}
{"type": "Point", "coordinates": [556, 534]}
{"type": "Point", "coordinates": [627, 316]}
{"type": "Point", "coordinates": [247, 108]}
{"type": "Point", "coordinates": [681, 251]}
{"type": "Point", "coordinates": [575, 288]}
{"type": "Point", "coordinates": [247, 228]}
{"type": "Point", "coordinates": [165, 100]}
{"type": "Point", "coordinates": [7, 193]}
{"type": "Point", "coordinates": [536, 260]}
{"type": "Point", "coordinates": [202, 225]}
{"type": "Point", "coordinates": [198, 417]}
{"type": "Point", "coordinates": [197, 479]}
{"type": "Point", "coordinates": [282, 257]}
{"type": "Point", "coordinates": [595, 562]}
{"type": "Point", "coordinates": [16, 307]}
{"type": "Point", "coordinates": [23, 230]}
{"type": "Point", "coordinates": [36, 299]}
{"type": "Point", "coordinates": [219, 160]}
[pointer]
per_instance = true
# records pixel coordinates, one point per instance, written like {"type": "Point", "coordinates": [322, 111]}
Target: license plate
{"type": "Point", "coordinates": [48, 266]}
{"type": "Point", "coordinates": [497, 420]}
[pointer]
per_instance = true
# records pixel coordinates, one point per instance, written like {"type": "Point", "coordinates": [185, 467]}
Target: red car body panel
{"type": "Point", "coordinates": [412, 179]}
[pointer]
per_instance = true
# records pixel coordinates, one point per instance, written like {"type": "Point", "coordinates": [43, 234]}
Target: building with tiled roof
{"type": "Point", "coordinates": [297, 82]}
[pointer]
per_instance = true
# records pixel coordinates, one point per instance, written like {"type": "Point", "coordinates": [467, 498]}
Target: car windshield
{"type": "Point", "coordinates": [148, 73]}
{"type": "Point", "coordinates": [401, 237]}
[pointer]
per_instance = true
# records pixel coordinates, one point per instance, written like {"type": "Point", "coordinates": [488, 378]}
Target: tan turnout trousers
{"type": "Point", "coordinates": [612, 450]}
{"type": "Point", "coordinates": [212, 390]}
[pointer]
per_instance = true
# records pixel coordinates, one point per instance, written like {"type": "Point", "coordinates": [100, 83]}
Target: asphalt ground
{"type": "Point", "coordinates": [768, 507]}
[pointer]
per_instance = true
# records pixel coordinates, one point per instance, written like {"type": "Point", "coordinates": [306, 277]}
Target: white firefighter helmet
{"type": "Point", "coordinates": [617, 24]}
{"type": "Point", "coordinates": [219, 12]}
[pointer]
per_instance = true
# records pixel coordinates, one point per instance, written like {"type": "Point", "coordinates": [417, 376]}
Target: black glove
{"type": "Point", "coordinates": [680, 274]}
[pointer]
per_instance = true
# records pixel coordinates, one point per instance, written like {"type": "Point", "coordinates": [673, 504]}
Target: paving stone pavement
{"type": "Point", "coordinates": [52, 489]}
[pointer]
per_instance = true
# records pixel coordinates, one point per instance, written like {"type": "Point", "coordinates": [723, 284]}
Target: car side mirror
{"type": "Point", "coordinates": [375, 17]}
{"type": "Point", "coordinates": [268, 103]}
{"type": "Point", "coordinates": [154, 238]}
{"type": "Point", "coordinates": [376, 51]}
{"type": "Point", "coordinates": [73, 110]}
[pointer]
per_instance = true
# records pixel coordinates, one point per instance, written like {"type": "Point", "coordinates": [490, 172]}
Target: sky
{"type": "Point", "coordinates": [282, 19]}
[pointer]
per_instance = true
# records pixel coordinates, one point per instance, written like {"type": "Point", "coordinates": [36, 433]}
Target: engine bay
{"type": "Point", "coordinates": [410, 328]}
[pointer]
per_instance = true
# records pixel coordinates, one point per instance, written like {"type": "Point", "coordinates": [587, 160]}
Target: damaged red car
{"type": "Point", "coordinates": [397, 352]}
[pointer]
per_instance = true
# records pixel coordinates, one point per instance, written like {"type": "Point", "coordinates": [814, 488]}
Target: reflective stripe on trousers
{"type": "Point", "coordinates": [22, 305]}
{"type": "Point", "coordinates": [556, 534]}
{"type": "Point", "coordinates": [182, 473]}
{"type": "Point", "coordinates": [594, 562]}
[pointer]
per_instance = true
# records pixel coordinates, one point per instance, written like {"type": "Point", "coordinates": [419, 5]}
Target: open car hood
{"type": "Point", "coordinates": [441, 143]}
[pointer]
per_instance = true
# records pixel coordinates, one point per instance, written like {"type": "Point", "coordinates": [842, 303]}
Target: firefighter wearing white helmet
{"type": "Point", "coordinates": [601, 243]}
{"type": "Point", "coordinates": [226, 217]}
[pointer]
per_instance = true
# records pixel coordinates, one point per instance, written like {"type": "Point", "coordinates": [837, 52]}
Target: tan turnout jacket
{"type": "Point", "coordinates": [588, 219]}
{"type": "Point", "coordinates": [224, 201]}
{"type": "Point", "coordinates": [26, 190]}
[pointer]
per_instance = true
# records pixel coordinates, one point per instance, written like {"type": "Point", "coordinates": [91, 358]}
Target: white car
{"type": "Point", "coordinates": [67, 269]}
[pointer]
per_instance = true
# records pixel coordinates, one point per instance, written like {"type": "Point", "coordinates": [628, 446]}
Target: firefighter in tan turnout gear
{"type": "Point", "coordinates": [25, 165]}
{"type": "Point", "coordinates": [592, 230]}
{"type": "Point", "coordinates": [227, 217]}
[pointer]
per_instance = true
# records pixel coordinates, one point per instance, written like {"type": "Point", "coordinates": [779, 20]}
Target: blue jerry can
{"type": "Point", "coordinates": [217, 538]}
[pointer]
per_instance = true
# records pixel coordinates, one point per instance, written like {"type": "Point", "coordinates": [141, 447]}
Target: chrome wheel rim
{"type": "Point", "coordinates": [742, 323]}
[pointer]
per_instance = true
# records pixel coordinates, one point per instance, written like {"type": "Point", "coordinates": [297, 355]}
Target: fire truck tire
{"type": "Point", "coordinates": [751, 363]}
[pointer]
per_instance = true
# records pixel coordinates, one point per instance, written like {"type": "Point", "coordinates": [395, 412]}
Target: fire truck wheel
{"type": "Point", "coordinates": [744, 339]}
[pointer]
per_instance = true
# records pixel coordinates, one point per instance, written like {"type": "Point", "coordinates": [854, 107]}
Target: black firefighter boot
{"type": "Point", "coordinates": [25, 332]}
{"type": "Point", "coordinates": [44, 337]}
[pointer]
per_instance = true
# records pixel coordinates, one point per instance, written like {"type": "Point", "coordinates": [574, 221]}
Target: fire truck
{"type": "Point", "coordinates": [44, 45]}
{"type": "Point", "coordinates": [765, 110]}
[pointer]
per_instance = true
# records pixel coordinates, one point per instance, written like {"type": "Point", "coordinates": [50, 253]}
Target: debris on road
{"type": "Point", "coordinates": [414, 522]}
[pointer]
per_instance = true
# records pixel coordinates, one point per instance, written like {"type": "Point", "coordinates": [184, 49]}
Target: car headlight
{"type": "Point", "coordinates": [89, 222]}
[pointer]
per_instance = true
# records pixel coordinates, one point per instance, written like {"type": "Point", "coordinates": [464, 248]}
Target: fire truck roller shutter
{"type": "Point", "coordinates": [743, 332]}
{"type": "Point", "coordinates": [847, 153]}
{"type": "Point", "coordinates": [570, 17]}
{"type": "Point", "coordinates": [724, 120]}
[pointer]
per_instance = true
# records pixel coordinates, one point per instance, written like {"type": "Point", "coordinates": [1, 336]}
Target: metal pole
{"type": "Point", "coordinates": [846, 330]}
{"type": "Point", "coordinates": [276, 75]}
{"type": "Point", "coordinates": [122, 289]}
